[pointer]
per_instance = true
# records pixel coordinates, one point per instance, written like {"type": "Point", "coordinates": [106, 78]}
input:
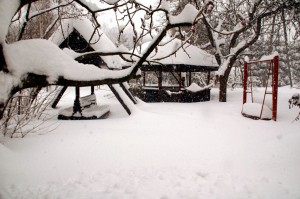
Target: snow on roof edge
{"type": "Point", "coordinates": [191, 55]}
{"type": "Point", "coordinates": [99, 42]}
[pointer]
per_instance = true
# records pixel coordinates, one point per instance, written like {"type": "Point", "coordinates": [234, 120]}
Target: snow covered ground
{"type": "Point", "coordinates": [204, 150]}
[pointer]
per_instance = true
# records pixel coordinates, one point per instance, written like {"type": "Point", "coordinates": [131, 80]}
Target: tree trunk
{"type": "Point", "coordinates": [223, 89]}
{"type": "Point", "coordinates": [223, 85]}
{"type": "Point", "coordinates": [271, 46]}
{"type": "Point", "coordinates": [287, 49]}
{"type": "Point", "coordinates": [3, 66]}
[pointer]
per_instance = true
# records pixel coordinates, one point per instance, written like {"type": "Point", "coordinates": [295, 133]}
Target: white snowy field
{"type": "Point", "coordinates": [205, 150]}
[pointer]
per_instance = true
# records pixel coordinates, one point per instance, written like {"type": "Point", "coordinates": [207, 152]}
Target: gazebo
{"type": "Point", "coordinates": [77, 36]}
{"type": "Point", "coordinates": [179, 62]}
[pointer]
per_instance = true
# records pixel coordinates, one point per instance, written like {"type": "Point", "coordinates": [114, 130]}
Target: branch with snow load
{"type": "Point", "coordinates": [37, 62]}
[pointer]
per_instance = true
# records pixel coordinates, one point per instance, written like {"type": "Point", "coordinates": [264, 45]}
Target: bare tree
{"type": "Point", "coordinates": [32, 79]}
{"type": "Point", "coordinates": [235, 26]}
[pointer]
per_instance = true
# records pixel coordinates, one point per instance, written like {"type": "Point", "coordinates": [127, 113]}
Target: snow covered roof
{"type": "Point", "coordinates": [86, 30]}
{"type": "Point", "coordinates": [186, 55]}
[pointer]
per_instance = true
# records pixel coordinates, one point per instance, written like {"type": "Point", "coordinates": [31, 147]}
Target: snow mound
{"type": "Point", "coordinates": [194, 88]}
{"type": "Point", "coordinates": [253, 110]}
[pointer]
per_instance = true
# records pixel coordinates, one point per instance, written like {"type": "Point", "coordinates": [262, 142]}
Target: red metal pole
{"type": "Point", "coordinates": [245, 83]}
{"type": "Point", "coordinates": [275, 88]}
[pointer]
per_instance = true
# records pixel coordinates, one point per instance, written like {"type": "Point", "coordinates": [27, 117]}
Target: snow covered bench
{"type": "Point", "coordinates": [86, 109]}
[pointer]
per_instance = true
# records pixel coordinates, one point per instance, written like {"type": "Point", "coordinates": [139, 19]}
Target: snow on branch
{"type": "Point", "coordinates": [39, 62]}
{"type": "Point", "coordinates": [269, 57]}
{"type": "Point", "coordinates": [188, 15]}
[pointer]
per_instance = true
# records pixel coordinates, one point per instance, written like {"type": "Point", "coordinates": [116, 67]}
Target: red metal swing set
{"type": "Point", "coordinates": [272, 70]}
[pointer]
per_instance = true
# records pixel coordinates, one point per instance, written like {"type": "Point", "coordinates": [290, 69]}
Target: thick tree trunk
{"type": "Point", "coordinates": [223, 83]}
{"type": "Point", "coordinates": [223, 89]}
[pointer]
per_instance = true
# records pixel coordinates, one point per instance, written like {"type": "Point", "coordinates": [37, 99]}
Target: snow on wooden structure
{"type": "Point", "coordinates": [180, 60]}
{"type": "Point", "coordinates": [257, 109]}
{"type": "Point", "coordinates": [77, 36]}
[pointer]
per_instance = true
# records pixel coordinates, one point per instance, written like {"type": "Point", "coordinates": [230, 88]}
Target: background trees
{"type": "Point", "coordinates": [234, 26]}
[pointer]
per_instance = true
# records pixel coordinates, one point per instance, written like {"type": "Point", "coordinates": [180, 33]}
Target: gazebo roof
{"type": "Point", "coordinates": [186, 58]}
{"type": "Point", "coordinates": [98, 43]}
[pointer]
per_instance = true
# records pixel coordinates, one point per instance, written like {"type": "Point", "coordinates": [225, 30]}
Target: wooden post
{"type": "Point", "coordinates": [119, 98]}
{"type": "Point", "coordinates": [128, 93]}
{"type": "Point", "coordinates": [245, 83]}
{"type": "Point", "coordinates": [92, 90]}
{"type": "Point", "coordinates": [77, 106]}
{"type": "Point", "coordinates": [144, 78]}
{"type": "Point", "coordinates": [208, 77]}
{"type": "Point", "coordinates": [159, 84]}
{"type": "Point", "coordinates": [180, 82]}
{"type": "Point", "coordinates": [275, 88]}
{"type": "Point", "coordinates": [190, 78]}
{"type": "Point", "coordinates": [60, 94]}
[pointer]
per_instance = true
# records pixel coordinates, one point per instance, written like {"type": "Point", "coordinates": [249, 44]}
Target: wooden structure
{"type": "Point", "coordinates": [271, 87]}
{"type": "Point", "coordinates": [179, 92]}
{"type": "Point", "coordinates": [187, 60]}
{"type": "Point", "coordinates": [75, 35]}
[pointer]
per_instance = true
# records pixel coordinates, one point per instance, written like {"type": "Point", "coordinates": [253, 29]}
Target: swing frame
{"type": "Point", "coordinates": [273, 71]}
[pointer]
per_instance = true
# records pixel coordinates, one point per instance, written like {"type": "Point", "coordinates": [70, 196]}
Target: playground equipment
{"type": "Point", "coordinates": [257, 109]}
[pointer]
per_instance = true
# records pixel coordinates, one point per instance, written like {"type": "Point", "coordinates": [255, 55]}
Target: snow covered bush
{"type": "Point", "coordinates": [26, 112]}
{"type": "Point", "coordinates": [295, 101]}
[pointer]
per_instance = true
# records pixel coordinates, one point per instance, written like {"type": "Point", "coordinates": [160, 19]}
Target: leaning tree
{"type": "Point", "coordinates": [39, 63]}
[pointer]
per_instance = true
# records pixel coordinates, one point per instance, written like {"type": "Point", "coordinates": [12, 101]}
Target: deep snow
{"type": "Point", "coordinates": [164, 151]}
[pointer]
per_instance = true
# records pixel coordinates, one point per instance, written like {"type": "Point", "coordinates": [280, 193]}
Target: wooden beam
{"type": "Point", "coordinates": [128, 93]}
{"type": "Point", "coordinates": [115, 92]}
{"type": "Point", "coordinates": [59, 96]}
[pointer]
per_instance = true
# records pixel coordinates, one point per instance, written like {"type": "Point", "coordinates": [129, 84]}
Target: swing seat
{"type": "Point", "coordinates": [256, 111]}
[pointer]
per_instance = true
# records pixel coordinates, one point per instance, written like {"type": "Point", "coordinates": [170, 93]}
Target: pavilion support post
{"type": "Point", "coordinates": [119, 98]}
{"type": "Point", "coordinates": [180, 81]}
{"type": "Point", "coordinates": [160, 84]}
{"type": "Point", "coordinates": [59, 96]}
{"type": "Point", "coordinates": [128, 93]}
{"type": "Point", "coordinates": [190, 78]}
{"type": "Point", "coordinates": [144, 78]}
{"type": "Point", "coordinates": [179, 88]}
{"type": "Point", "coordinates": [208, 77]}
{"type": "Point", "coordinates": [92, 90]}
